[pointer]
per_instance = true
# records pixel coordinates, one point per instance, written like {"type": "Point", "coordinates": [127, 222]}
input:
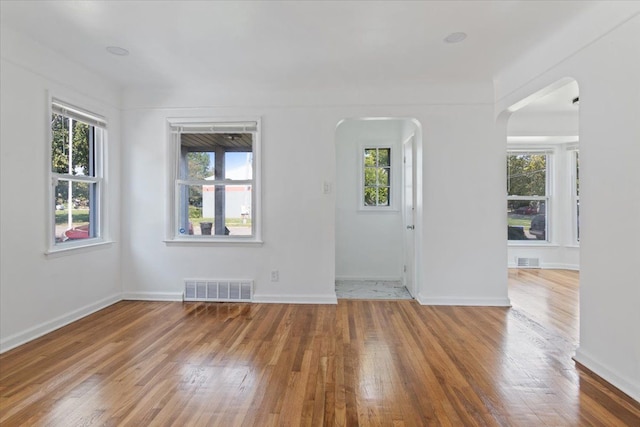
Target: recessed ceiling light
{"type": "Point", "coordinates": [116, 50]}
{"type": "Point", "coordinates": [455, 37]}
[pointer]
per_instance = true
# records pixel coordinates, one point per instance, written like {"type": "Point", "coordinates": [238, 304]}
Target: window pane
{"type": "Point", "coordinates": [80, 154]}
{"type": "Point", "coordinates": [526, 220]}
{"type": "Point", "coordinates": [215, 210]}
{"type": "Point", "coordinates": [60, 144]}
{"type": "Point", "coordinates": [526, 174]}
{"type": "Point", "coordinates": [384, 156]}
{"type": "Point", "coordinates": [376, 196]}
{"type": "Point", "coordinates": [383, 176]}
{"type": "Point", "coordinates": [238, 165]}
{"type": "Point", "coordinates": [73, 217]}
{"type": "Point", "coordinates": [370, 157]}
{"type": "Point", "coordinates": [199, 165]}
{"type": "Point", "coordinates": [383, 196]}
{"type": "Point", "coordinates": [201, 151]}
{"type": "Point", "coordinates": [82, 149]}
{"type": "Point", "coordinates": [370, 176]}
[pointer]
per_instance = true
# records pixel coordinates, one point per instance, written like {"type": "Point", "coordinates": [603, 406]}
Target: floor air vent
{"type": "Point", "coordinates": [218, 290]}
{"type": "Point", "coordinates": [527, 262]}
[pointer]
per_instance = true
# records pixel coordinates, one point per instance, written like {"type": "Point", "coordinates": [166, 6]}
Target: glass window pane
{"type": "Point", "coordinates": [383, 196]}
{"type": "Point", "coordinates": [370, 196]}
{"type": "Point", "coordinates": [238, 165]}
{"type": "Point", "coordinates": [73, 218]}
{"type": "Point", "coordinates": [383, 176]}
{"type": "Point", "coordinates": [82, 149]}
{"type": "Point", "coordinates": [526, 174]}
{"type": "Point", "coordinates": [384, 156]}
{"type": "Point", "coordinates": [370, 157]}
{"type": "Point", "coordinates": [60, 144]}
{"type": "Point", "coordinates": [526, 220]}
{"type": "Point", "coordinates": [215, 210]}
{"type": "Point", "coordinates": [199, 165]}
{"type": "Point", "coordinates": [370, 177]}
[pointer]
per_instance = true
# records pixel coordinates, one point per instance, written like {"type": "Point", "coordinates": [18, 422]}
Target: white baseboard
{"type": "Point", "coordinates": [558, 266]}
{"type": "Point", "coordinates": [370, 279]}
{"type": "Point", "coordinates": [152, 296]}
{"type": "Point", "coordinates": [44, 328]}
{"type": "Point", "coordinates": [482, 302]}
{"type": "Point", "coordinates": [629, 387]}
{"type": "Point", "coordinates": [296, 299]}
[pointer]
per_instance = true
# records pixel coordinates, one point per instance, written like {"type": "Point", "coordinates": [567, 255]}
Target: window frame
{"type": "Point", "coordinates": [177, 126]}
{"type": "Point", "coordinates": [574, 160]}
{"type": "Point", "coordinates": [394, 178]}
{"type": "Point", "coordinates": [547, 198]}
{"type": "Point", "coordinates": [97, 122]}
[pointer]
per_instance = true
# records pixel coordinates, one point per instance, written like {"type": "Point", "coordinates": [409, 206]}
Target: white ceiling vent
{"type": "Point", "coordinates": [527, 262]}
{"type": "Point", "coordinates": [218, 290]}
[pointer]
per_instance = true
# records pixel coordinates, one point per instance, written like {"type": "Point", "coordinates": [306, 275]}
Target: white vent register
{"type": "Point", "coordinates": [527, 262]}
{"type": "Point", "coordinates": [218, 290]}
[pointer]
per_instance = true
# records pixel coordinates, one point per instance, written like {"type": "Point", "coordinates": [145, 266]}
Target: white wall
{"type": "Point", "coordinates": [40, 293]}
{"type": "Point", "coordinates": [464, 221]}
{"type": "Point", "coordinates": [369, 244]}
{"type": "Point", "coordinates": [465, 165]}
{"type": "Point", "coordinates": [607, 72]}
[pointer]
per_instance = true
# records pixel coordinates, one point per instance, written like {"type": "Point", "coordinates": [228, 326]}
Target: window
{"type": "Point", "coordinates": [527, 195]}
{"type": "Point", "coordinates": [376, 177]}
{"type": "Point", "coordinates": [77, 138]}
{"type": "Point", "coordinates": [575, 193]}
{"type": "Point", "coordinates": [215, 182]}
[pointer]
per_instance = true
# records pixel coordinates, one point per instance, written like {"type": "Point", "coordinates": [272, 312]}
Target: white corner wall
{"type": "Point", "coordinates": [369, 244]}
{"type": "Point", "coordinates": [607, 70]}
{"type": "Point", "coordinates": [40, 293]}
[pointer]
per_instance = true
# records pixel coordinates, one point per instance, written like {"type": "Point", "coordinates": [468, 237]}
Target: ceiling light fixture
{"type": "Point", "coordinates": [455, 37]}
{"type": "Point", "coordinates": [116, 50]}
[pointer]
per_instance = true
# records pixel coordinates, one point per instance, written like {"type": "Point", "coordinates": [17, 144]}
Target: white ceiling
{"type": "Point", "coordinates": [289, 44]}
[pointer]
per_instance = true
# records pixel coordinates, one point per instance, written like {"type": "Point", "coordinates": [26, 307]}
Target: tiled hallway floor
{"type": "Point", "coordinates": [371, 289]}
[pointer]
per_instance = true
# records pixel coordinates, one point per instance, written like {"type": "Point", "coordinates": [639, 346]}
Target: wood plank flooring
{"type": "Point", "coordinates": [360, 363]}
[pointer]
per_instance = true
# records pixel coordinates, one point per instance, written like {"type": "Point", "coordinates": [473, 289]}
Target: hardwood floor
{"type": "Point", "coordinates": [378, 363]}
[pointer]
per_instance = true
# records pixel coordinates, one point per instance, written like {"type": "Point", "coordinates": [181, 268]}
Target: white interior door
{"type": "Point", "coordinates": [409, 202]}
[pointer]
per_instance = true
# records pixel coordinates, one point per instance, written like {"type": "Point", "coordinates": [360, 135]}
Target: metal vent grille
{"type": "Point", "coordinates": [527, 262]}
{"type": "Point", "coordinates": [218, 290]}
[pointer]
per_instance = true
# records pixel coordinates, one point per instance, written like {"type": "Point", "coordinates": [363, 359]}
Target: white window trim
{"type": "Point", "coordinates": [547, 198]}
{"type": "Point", "coordinates": [395, 177]}
{"type": "Point", "coordinates": [69, 105]}
{"type": "Point", "coordinates": [211, 125]}
{"type": "Point", "coordinates": [575, 198]}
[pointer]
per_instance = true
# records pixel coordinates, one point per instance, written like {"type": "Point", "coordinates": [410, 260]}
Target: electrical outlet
{"type": "Point", "coordinates": [275, 275]}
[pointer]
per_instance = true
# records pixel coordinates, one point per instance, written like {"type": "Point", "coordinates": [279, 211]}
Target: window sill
{"type": "Point", "coordinates": [214, 242]}
{"type": "Point", "coordinates": [72, 248]}
{"type": "Point", "coordinates": [532, 244]}
{"type": "Point", "coordinates": [380, 210]}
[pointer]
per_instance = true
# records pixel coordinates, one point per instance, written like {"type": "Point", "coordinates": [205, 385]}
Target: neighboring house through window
{"type": "Point", "coordinates": [77, 138]}
{"type": "Point", "coordinates": [215, 185]}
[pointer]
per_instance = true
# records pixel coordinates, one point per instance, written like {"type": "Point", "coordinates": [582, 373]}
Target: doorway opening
{"type": "Point", "coordinates": [376, 197]}
{"type": "Point", "coordinates": [543, 195]}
